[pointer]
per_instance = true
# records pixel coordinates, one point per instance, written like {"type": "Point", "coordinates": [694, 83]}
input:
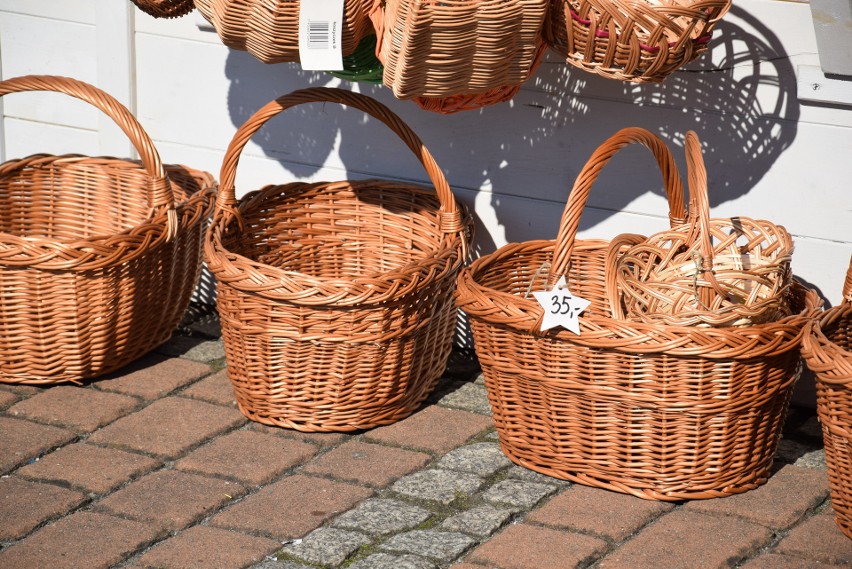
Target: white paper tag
{"type": "Point", "coordinates": [320, 35]}
{"type": "Point", "coordinates": [561, 308]}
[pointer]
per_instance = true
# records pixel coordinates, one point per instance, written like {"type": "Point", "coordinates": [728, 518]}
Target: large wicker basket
{"type": "Point", "coordinates": [335, 298]}
{"type": "Point", "coordinates": [638, 41]}
{"type": "Point", "coordinates": [827, 349]}
{"type": "Point", "coordinates": [660, 412]}
{"type": "Point", "coordinates": [98, 256]}
{"type": "Point", "coordinates": [458, 48]}
{"type": "Point", "coordinates": [165, 8]}
{"type": "Point", "coordinates": [269, 29]}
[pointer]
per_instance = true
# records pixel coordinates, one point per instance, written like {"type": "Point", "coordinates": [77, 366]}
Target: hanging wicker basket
{"type": "Point", "coordinates": [98, 256]}
{"type": "Point", "coordinates": [827, 349]}
{"type": "Point", "coordinates": [714, 272]}
{"type": "Point", "coordinates": [660, 412]}
{"type": "Point", "coordinates": [482, 51]}
{"type": "Point", "coordinates": [269, 29]}
{"type": "Point", "coordinates": [639, 41]}
{"type": "Point", "coordinates": [165, 8]}
{"type": "Point", "coordinates": [336, 298]}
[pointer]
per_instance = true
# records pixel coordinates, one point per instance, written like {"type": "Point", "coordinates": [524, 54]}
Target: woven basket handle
{"type": "Point", "coordinates": [160, 195]}
{"type": "Point", "coordinates": [580, 192]}
{"type": "Point", "coordinates": [847, 286]}
{"type": "Point", "coordinates": [450, 214]}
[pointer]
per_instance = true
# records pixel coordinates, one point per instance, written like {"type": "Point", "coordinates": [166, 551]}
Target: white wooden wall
{"type": "Point", "coordinates": [769, 155]}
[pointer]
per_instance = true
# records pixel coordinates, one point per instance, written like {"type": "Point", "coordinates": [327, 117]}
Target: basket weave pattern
{"type": "Point", "coordinates": [827, 349]}
{"type": "Point", "coordinates": [336, 298]}
{"type": "Point", "coordinates": [165, 8]}
{"type": "Point", "coordinates": [638, 41]}
{"type": "Point", "coordinates": [99, 256]}
{"type": "Point", "coordinates": [660, 412]}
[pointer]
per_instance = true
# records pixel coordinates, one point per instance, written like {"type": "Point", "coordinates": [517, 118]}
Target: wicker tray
{"type": "Point", "coordinates": [660, 412]}
{"type": "Point", "coordinates": [827, 349]}
{"type": "Point", "coordinates": [335, 298]}
{"type": "Point", "coordinates": [99, 255]}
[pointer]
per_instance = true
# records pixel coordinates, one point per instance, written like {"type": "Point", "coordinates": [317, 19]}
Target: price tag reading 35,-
{"type": "Point", "coordinates": [320, 35]}
{"type": "Point", "coordinates": [561, 308]}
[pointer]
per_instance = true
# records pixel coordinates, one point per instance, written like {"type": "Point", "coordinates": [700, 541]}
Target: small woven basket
{"type": "Point", "coordinates": [457, 47]}
{"type": "Point", "coordinates": [640, 41]}
{"type": "Point", "coordinates": [715, 272]}
{"type": "Point", "coordinates": [99, 256]}
{"type": "Point", "coordinates": [660, 412]}
{"type": "Point", "coordinates": [165, 8]}
{"type": "Point", "coordinates": [336, 298]}
{"type": "Point", "coordinates": [827, 349]}
{"type": "Point", "coordinates": [269, 29]}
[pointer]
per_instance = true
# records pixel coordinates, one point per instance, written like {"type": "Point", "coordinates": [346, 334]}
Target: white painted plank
{"type": "Point", "coordinates": [116, 70]}
{"type": "Point", "coordinates": [26, 137]}
{"type": "Point", "coordinates": [81, 11]}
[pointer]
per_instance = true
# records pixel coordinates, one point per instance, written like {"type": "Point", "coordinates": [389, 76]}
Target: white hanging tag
{"type": "Point", "coordinates": [561, 308]}
{"type": "Point", "coordinates": [320, 31]}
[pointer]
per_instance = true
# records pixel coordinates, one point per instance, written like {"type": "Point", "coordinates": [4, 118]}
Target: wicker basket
{"type": "Point", "coordinates": [458, 47]}
{"type": "Point", "coordinates": [715, 272]}
{"type": "Point", "coordinates": [99, 256]}
{"type": "Point", "coordinates": [827, 349]}
{"type": "Point", "coordinates": [636, 41]}
{"type": "Point", "coordinates": [269, 29]}
{"type": "Point", "coordinates": [336, 298]}
{"type": "Point", "coordinates": [659, 412]}
{"type": "Point", "coordinates": [165, 8]}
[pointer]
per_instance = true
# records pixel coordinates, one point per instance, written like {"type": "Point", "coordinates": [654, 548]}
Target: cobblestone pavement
{"type": "Point", "coordinates": [155, 467]}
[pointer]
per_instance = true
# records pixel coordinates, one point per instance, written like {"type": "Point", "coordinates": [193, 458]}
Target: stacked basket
{"type": "Point", "coordinates": [827, 349]}
{"type": "Point", "coordinates": [661, 411]}
{"type": "Point", "coordinates": [336, 298]}
{"type": "Point", "coordinates": [99, 255]}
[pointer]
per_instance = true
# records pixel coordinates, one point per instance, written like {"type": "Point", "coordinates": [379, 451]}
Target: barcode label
{"type": "Point", "coordinates": [319, 35]}
{"type": "Point", "coordinates": [320, 26]}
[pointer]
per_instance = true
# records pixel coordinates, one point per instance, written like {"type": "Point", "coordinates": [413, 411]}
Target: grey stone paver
{"type": "Point", "coordinates": [437, 485]}
{"type": "Point", "coordinates": [480, 521]}
{"type": "Point", "coordinates": [528, 475]}
{"type": "Point", "coordinates": [518, 493]}
{"type": "Point", "coordinates": [193, 348]}
{"type": "Point", "coordinates": [327, 546]}
{"type": "Point", "coordinates": [380, 516]}
{"type": "Point", "coordinates": [483, 459]}
{"type": "Point", "coordinates": [273, 564]}
{"type": "Point", "coordinates": [441, 545]}
{"type": "Point", "coordinates": [388, 561]}
{"type": "Point", "coordinates": [470, 397]}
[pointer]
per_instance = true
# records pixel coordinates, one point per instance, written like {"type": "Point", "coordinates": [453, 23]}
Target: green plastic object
{"type": "Point", "coordinates": [362, 64]}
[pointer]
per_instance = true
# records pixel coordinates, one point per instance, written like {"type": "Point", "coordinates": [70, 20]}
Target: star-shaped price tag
{"type": "Point", "coordinates": [561, 308]}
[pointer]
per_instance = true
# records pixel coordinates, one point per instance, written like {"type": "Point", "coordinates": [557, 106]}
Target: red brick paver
{"type": "Point", "coordinates": [92, 468]}
{"type": "Point", "coordinates": [319, 439]}
{"type": "Point", "coordinates": [7, 398]}
{"type": "Point", "coordinates": [248, 456]}
{"type": "Point", "coordinates": [686, 540]}
{"type": "Point", "coordinates": [82, 540]}
{"type": "Point", "coordinates": [169, 427]}
{"type": "Point", "coordinates": [781, 502]}
{"type": "Point", "coordinates": [154, 376]}
{"type": "Point", "coordinates": [819, 539]}
{"type": "Point", "coordinates": [609, 514]}
{"type": "Point", "coordinates": [77, 408]}
{"type": "Point", "coordinates": [214, 389]}
{"type": "Point", "coordinates": [524, 546]}
{"type": "Point", "coordinates": [775, 561]}
{"type": "Point", "coordinates": [24, 505]}
{"type": "Point", "coordinates": [435, 429]}
{"type": "Point", "coordinates": [292, 507]}
{"type": "Point", "coordinates": [170, 499]}
{"type": "Point", "coordinates": [373, 465]}
{"type": "Point", "coordinates": [23, 440]}
{"type": "Point", "coordinates": [202, 547]}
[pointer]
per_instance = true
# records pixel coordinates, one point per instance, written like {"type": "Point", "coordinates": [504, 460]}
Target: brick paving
{"type": "Point", "coordinates": [153, 466]}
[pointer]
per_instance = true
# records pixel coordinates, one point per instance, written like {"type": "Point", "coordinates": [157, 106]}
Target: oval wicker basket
{"type": "Point", "coordinates": [269, 29]}
{"type": "Point", "coordinates": [640, 41]}
{"type": "Point", "coordinates": [715, 272]}
{"type": "Point", "coordinates": [98, 256]}
{"type": "Point", "coordinates": [458, 48]}
{"type": "Point", "coordinates": [165, 8]}
{"type": "Point", "coordinates": [660, 412]}
{"type": "Point", "coordinates": [336, 298]}
{"type": "Point", "coordinates": [827, 349]}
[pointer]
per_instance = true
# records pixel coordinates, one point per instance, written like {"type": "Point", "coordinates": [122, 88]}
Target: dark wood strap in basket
{"type": "Point", "coordinates": [160, 195]}
{"type": "Point", "coordinates": [450, 215]}
{"type": "Point", "coordinates": [570, 222]}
